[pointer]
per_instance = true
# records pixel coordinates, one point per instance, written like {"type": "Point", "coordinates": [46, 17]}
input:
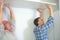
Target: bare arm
{"type": "Point", "coordinates": [50, 9]}
{"type": "Point", "coordinates": [0, 15]}
{"type": "Point", "coordinates": [1, 8]}
{"type": "Point", "coordinates": [11, 12]}
{"type": "Point", "coordinates": [51, 12]}
{"type": "Point", "coordinates": [41, 13]}
{"type": "Point", "coordinates": [12, 19]}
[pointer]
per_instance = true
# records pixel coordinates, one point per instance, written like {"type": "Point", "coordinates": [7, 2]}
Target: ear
{"type": "Point", "coordinates": [8, 27]}
{"type": "Point", "coordinates": [38, 22]}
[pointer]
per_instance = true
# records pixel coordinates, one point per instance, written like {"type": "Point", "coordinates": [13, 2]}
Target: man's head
{"type": "Point", "coordinates": [38, 21]}
{"type": "Point", "coordinates": [7, 25]}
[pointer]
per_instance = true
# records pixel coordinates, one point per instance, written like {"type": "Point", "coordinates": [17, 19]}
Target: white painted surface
{"type": "Point", "coordinates": [59, 4]}
{"type": "Point", "coordinates": [57, 25]}
{"type": "Point", "coordinates": [24, 23]}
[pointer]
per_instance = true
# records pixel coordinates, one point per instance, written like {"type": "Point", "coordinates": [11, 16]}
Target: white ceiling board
{"type": "Point", "coordinates": [39, 1]}
{"type": "Point", "coordinates": [27, 4]}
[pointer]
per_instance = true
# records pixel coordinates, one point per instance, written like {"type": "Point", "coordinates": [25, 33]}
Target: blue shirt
{"type": "Point", "coordinates": [41, 31]}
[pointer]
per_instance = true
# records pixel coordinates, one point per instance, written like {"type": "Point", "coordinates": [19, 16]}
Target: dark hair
{"type": "Point", "coordinates": [36, 21]}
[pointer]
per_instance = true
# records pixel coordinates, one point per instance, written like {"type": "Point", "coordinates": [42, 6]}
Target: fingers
{"type": "Point", "coordinates": [49, 6]}
{"type": "Point", "coordinates": [9, 6]}
{"type": "Point", "coordinates": [40, 10]}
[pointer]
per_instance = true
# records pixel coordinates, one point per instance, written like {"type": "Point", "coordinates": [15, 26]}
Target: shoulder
{"type": "Point", "coordinates": [50, 17]}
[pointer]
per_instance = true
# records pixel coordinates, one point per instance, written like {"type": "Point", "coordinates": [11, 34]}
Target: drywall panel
{"type": "Point", "coordinates": [26, 3]}
{"type": "Point", "coordinates": [24, 23]}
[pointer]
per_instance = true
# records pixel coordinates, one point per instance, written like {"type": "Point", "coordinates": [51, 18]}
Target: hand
{"type": "Point", "coordinates": [1, 3]}
{"type": "Point", "coordinates": [40, 10]}
{"type": "Point", "coordinates": [48, 6]}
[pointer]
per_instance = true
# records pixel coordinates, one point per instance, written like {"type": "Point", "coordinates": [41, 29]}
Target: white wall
{"type": "Point", "coordinates": [57, 25]}
{"type": "Point", "coordinates": [24, 23]}
{"type": "Point", "coordinates": [59, 4]}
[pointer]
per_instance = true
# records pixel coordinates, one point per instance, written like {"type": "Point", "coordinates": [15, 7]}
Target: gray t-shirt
{"type": "Point", "coordinates": [5, 34]}
{"type": "Point", "coordinates": [12, 25]}
{"type": "Point", "coordinates": [1, 31]}
{"type": "Point", "coordinates": [6, 15]}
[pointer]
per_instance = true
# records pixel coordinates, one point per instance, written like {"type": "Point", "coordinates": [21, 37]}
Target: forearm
{"type": "Point", "coordinates": [41, 15]}
{"type": "Point", "coordinates": [51, 12]}
{"type": "Point", "coordinates": [41, 12]}
{"type": "Point", "coordinates": [11, 13]}
{"type": "Point", "coordinates": [0, 15]}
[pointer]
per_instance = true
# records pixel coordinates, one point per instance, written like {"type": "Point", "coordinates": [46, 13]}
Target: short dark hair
{"type": "Point", "coordinates": [36, 21]}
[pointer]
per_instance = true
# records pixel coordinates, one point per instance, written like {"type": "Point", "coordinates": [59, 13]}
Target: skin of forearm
{"type": "Point", "coordinates": [41, 15]}
{"type": "Point", "coordinates": [51, 12]}
{"type": "Point", "coordinates": [11, 13]}
{"type": "Point", "coordinates": [0, 15]}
